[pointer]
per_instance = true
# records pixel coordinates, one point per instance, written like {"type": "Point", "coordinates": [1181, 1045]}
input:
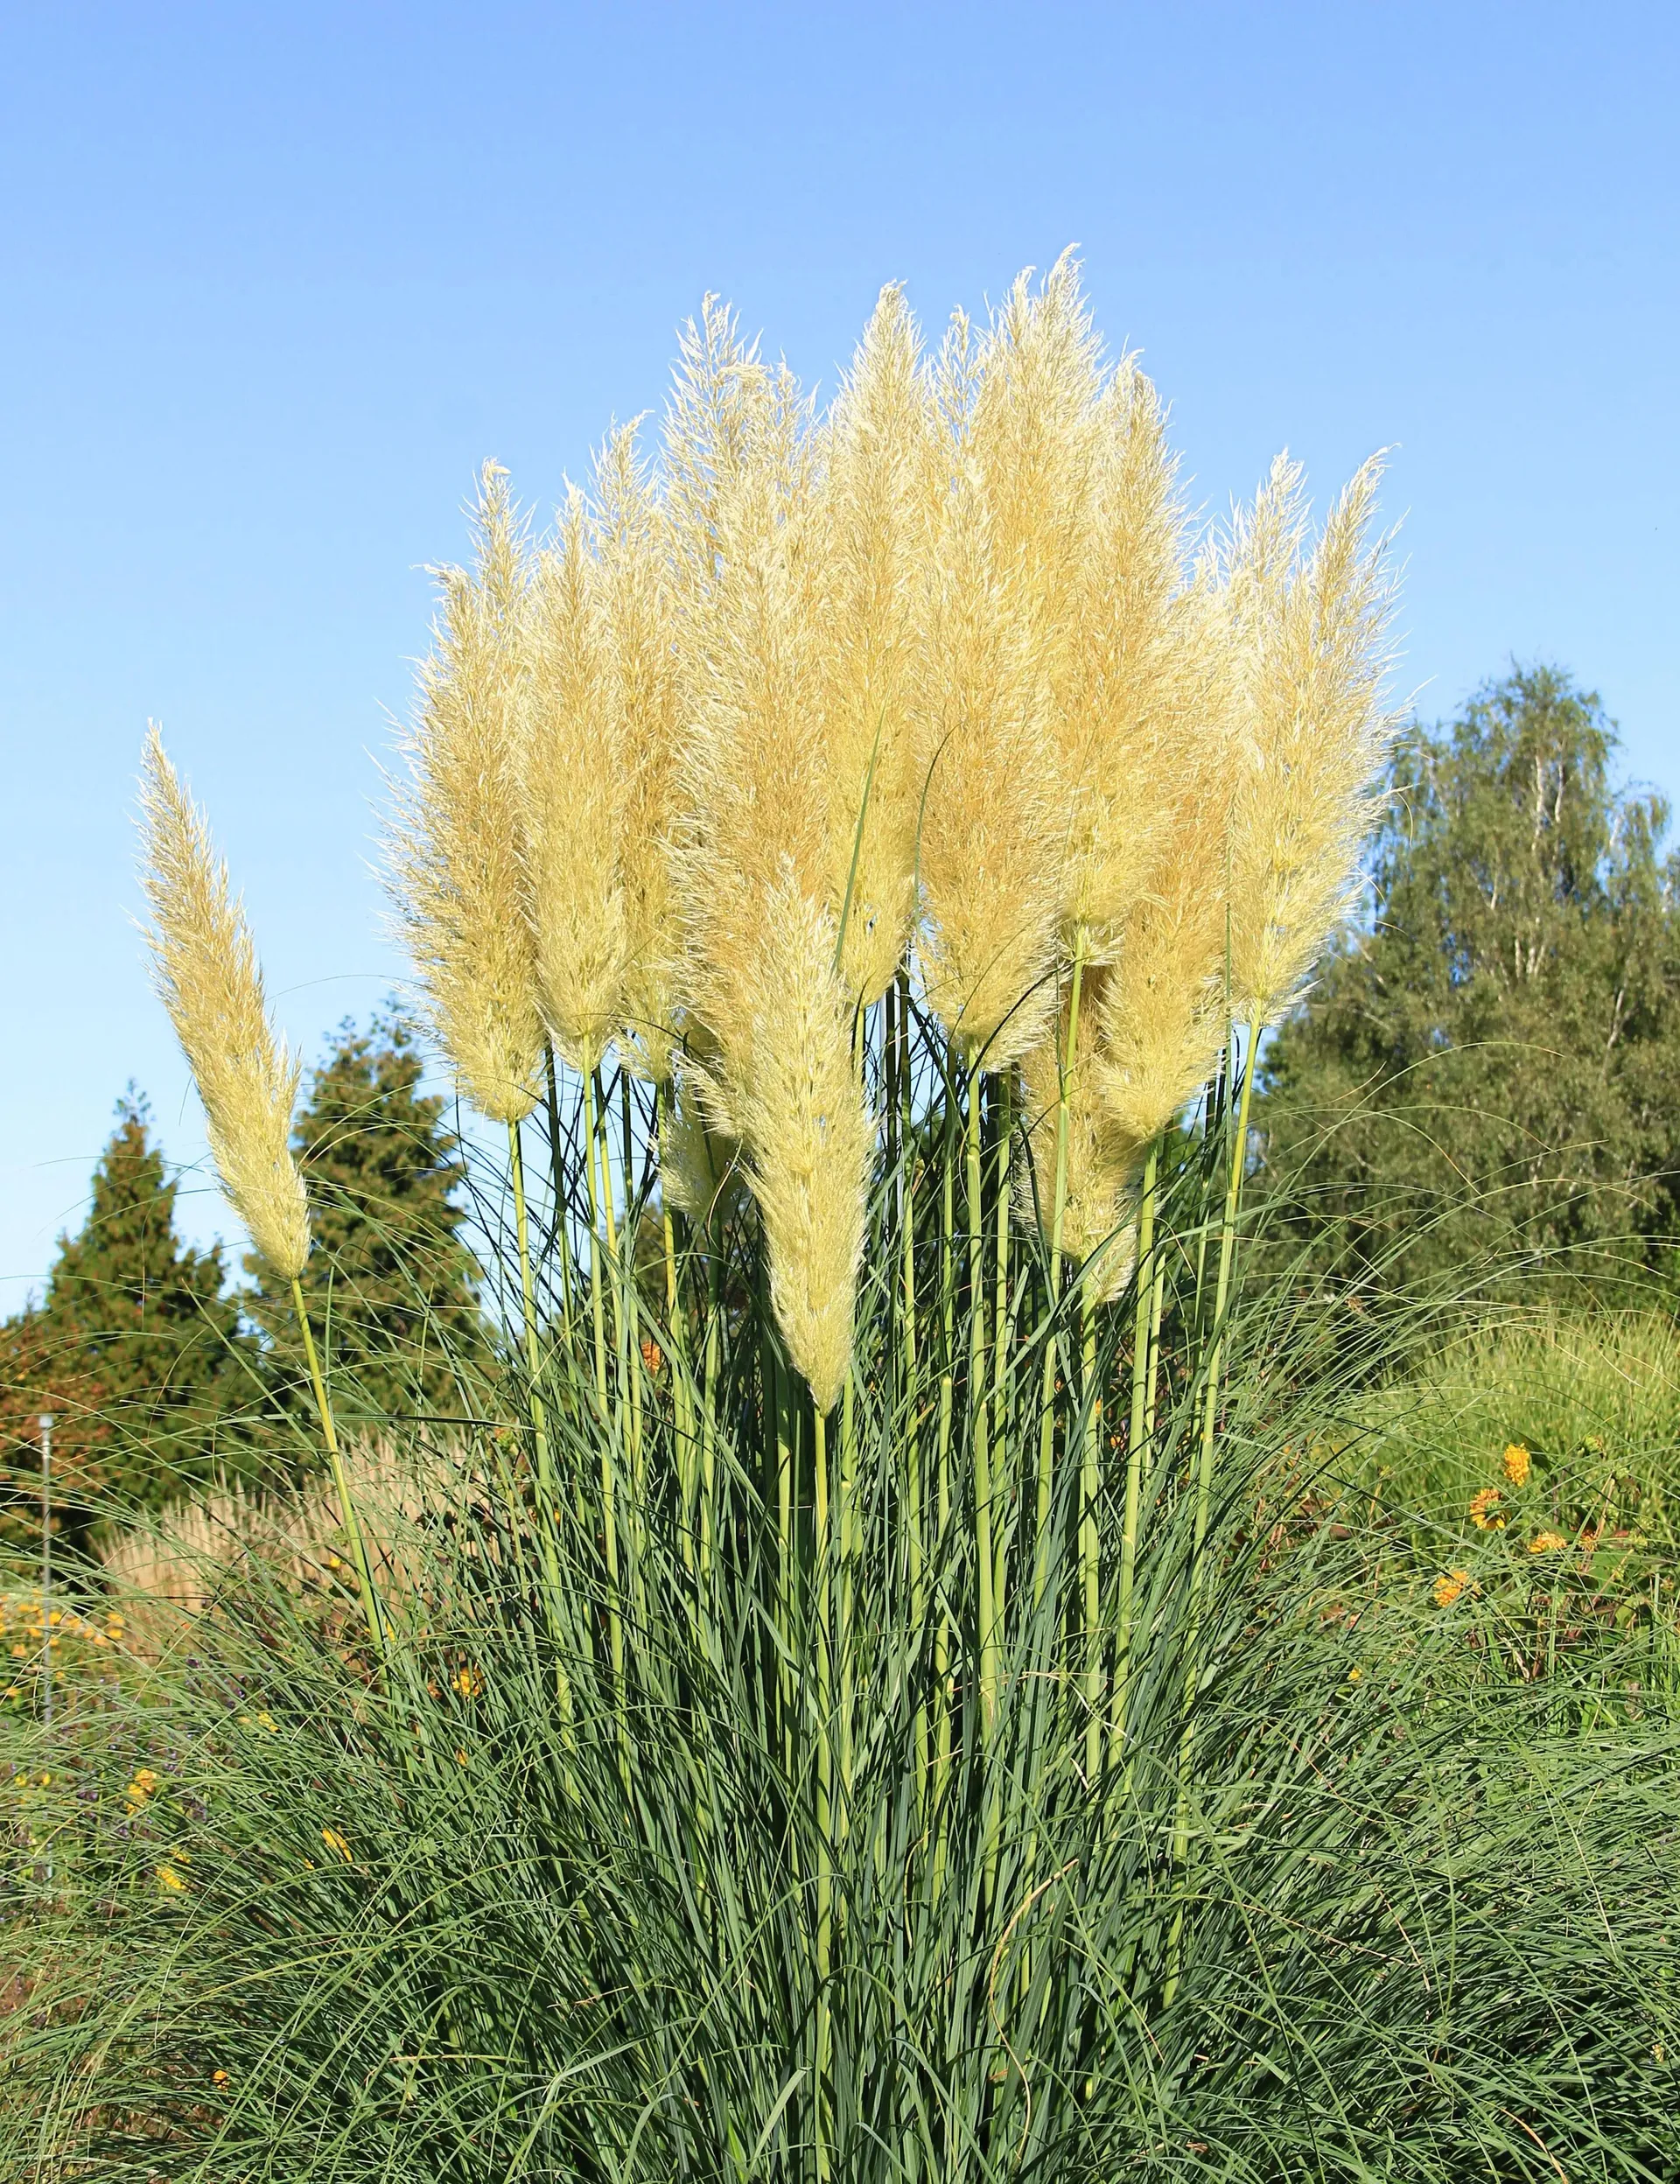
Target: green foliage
{"type": "Point", "coordinates": [135, 1349]}
{"type": "Point", "coordinates": [672, 1840]}
{"type": "Point", "coordinates": [391, 1284]}
{"type": "Point", "coordinates": [1489, 1070]}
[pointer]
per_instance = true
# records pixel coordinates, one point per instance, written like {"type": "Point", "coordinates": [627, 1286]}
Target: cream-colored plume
{"type": "Point", "coordinates": [1310, 638]}
{"type": "Point", "coordinates": [876, 508]}
{"type": "Point", "coordinates": [993, 823]}
{"type": "Point", "coordinates": [456, 850]}
{"type": "Point", "coordinates": [206, 972]}
{"type": "Point", "coordinates": [1159, 1011]}
{"type": "Point", "coordinates": [701, 1165]}
{"type": "Point", "coordinates": [639, 609]}
{"type": "Point", "coordinates": [1100, 1159]}
{"type": "Point", "coordinates": [572, 780]}
{"type": "Point", "coordinates": [810, 1136]}
{"type": "Point", "coordinates": [1136, 687]}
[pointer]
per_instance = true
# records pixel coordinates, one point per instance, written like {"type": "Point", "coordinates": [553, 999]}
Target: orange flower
{"type": "Point", "coordinates": [1484, 1507]}
{"type": "Point", "coordinates": [652, 1357]}
{"type": "Point", "coordinates": [467, 1681]}
{"type": "Point", "coordinates": [1547, 1544]}
{"type": "Point", "coordinates": [1517, 1461]}
{"type": "Point", "coordinates": [1449, 1586]}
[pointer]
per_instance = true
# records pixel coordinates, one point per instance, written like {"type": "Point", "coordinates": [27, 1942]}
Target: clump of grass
{"type": "Point", "coordinates": [876, 1715]}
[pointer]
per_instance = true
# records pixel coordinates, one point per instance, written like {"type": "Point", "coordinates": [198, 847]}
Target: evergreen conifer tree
{"type": "Point", "coordinates": [391, 1285]}
{"type": "Point", "coordinates": [1489, 1068]}
{"type": "Point", "coordinates": [135, 1349]}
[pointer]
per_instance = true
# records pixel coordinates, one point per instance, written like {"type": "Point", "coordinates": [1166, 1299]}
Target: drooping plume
{"type": "Point", "coordinates": [571, 777]}
{"type": "Point", "coordinates": [456, 870]}
{"type": "Point", "coordinates": [206, 971]}
{"type": "Point", "coordinates": [1309, 637]}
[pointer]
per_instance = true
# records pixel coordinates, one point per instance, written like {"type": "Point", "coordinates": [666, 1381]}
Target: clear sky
{"type": "Point", "coordinates": [277, 279]}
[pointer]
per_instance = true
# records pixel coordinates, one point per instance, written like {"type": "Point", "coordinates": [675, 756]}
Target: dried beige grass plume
{"type": "Point", "coordinates": [206, 972]}
{"type": "Point", "coordinates": [1310, 638]}
{"type": "Point", "coordinates": [1100, 1159]}
{"type": "Point", "coordinates": [992, 826]}
{"type": "Point", "coordinates": [455, 849]}
{"type": "Point", "coordinates": [1137, 685]}
{"type": "Point", "coordinates": [571, 776]}
{"type": "Point", "coordinates": [1158, 1011]}
{"type": "Point", "coordinates": [810, 1136]}
{"type": "Point", "coordinates": [639, 610]}
{"type": "Point", "coordinates": [877, 503]}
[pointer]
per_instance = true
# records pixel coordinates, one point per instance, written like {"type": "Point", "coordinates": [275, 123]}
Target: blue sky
{"type": "Point", "coordinates": [276, 280]}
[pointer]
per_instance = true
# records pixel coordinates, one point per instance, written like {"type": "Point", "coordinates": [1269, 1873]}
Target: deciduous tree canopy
{"type": "Point", "coordinates": [1493, 1063]}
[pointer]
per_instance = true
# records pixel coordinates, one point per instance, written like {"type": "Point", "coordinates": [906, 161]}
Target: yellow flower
{"type": "Point", "coordinates": [1448, 1586]}
{"type": "Point", "coordinates": [1547, 1544]}
{"type": "Point", "coordinates": [170, 1879]}
{"type": "Point", "coordinates": [1484, 1507]}
{"type": "Point", "coordinates": [461, 1756]}
{"type": "Point", "coordinates": [141, 1787]}
{"type": "Point", "coordinates": [1517, 1461]}
{"type": "Point", "coordinates": [20, 1653]}
{"type": "Point", "coordinates": [1354, 1675]}
{"type": "Point", "coordinates": [467, 1681]}
{"type": "Point", "coordinates": [218, 2077]}
{"type": "Point", "coordinates": [334, 1841]}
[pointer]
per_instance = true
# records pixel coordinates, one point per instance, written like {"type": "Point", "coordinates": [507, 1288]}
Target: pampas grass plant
{"type": "Point", "coordinates": [868, 1708]}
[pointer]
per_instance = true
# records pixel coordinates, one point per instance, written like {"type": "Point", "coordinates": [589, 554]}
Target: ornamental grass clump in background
{"type": "Point", "coordinates": [867, 1729]}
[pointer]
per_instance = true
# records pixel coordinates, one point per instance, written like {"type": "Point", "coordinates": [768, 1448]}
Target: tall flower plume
{"type": "Point", "coordinates": [1310, 646]}
{"type": "Point", "coordinates": [206, 971]}
{"type": "Point", "coordinates": [571, 775]}
{"type": "Point", "coordinates": [643, 693]}
{"type": "Point", "coordinates": [753, 877]}
{"type": "Point", "coordinates": [456, 852]}
{"type": "Point", "coordinates": [876, 503]}
{"type": "Point", "coordinates": [1064, 1108]}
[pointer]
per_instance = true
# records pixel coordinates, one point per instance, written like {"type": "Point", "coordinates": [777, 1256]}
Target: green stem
{"type": "Point", "coordinates": [914, 1544]}
{"type": "Point", "coordinates": [558, 1171]}
{"type": "Point", "coordinates": [824, 1765]}
{"type": "Point", "coordinates": [1000, 1363]}
{"type": "Point", "coordinates": [979, 1443]}
{"type": "Point", "coordinates": [1137, 1440]}
{"type": "Point", "coordinates": [1052, 1344]}
{"type": "Point", "coordinates": [1090, 1565]}
{"type": "Point", "coordinates": [370, 1604]}
{"type": "Point", "coordinates": [944, 1701]}
{"type": "Point", "coordinates": [1210, 1393]}
{"type": "Point", "coordinates": [609, 1477]}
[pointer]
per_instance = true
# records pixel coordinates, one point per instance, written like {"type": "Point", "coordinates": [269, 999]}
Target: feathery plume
{"type": "Point", "coordinates": [1135, 677]}
{"type": "Point", "coordinates": [1159, 1011]}
{"type": "Point", "coordinates": [876, 504]}
{"type": "Point", "coordinates": [701, 1163]}
{"type": "Point", "coordinates": [572, 798]}
{"type": "Point", "coordinates": [752, 875]}
{"type": "Point", "coordinates": [644, 701]}
{"type": "Point", "coordinates": [205, 970]}
{"type": "Point", "coordinates": [1310, 641]}
{"type": "Point", "coordinates": [992, 826]}
{"type": "Point", "coordinates": [810, 1137]}
{"type": "Point", "coordinates": [1100, 1159]}
{"type": "Point", "coordinates": [455, 849]}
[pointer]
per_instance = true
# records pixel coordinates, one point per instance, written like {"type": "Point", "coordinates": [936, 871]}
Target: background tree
{"type": "Point", "coordinates": [135, 1349]}
{"type": "Point", "coordinates": [1494, 1064]}
{"type": "Point", "coordinates": [391, 1281]}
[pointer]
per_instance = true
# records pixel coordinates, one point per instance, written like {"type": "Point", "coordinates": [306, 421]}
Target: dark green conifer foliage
{"type": "Point", "coordinates": [135, 1348]}
{"type": "Point", "coordinates": [391, 1287]}
{"type": "Point", "coordinates": [1492, 1066]}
